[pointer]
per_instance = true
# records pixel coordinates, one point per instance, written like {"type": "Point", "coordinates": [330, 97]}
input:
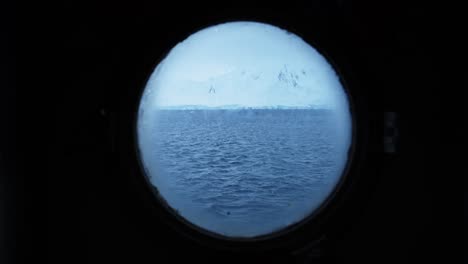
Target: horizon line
{"type": "Point", "coordinates": [234, 107]}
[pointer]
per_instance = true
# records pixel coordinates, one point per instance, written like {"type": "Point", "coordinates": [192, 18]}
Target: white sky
{"type": "Point", "coordinates": [242, 62]}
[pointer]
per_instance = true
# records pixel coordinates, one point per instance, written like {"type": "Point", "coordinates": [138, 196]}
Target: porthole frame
{"type": "Point", "coordinates": [315, 223]}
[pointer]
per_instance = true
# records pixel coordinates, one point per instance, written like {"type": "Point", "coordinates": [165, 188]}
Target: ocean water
{"type": "Point", "coordinates": [244, 173]}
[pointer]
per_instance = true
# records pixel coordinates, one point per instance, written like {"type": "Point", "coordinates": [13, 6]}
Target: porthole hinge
{"type": "Point", "coordinates": [391, 132]}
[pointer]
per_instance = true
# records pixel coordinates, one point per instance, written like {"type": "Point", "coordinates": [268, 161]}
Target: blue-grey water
{"type": "Point", "coordinates": [244, 172]}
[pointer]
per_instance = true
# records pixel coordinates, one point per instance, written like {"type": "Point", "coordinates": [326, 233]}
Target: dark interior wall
{"type": "Point", "coordinates": [84, 206]}
{"type": "Point", "coordinates": [8, 184]}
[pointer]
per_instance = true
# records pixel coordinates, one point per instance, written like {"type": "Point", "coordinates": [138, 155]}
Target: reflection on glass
{"type": "Point", "coordinates": [244, 129]}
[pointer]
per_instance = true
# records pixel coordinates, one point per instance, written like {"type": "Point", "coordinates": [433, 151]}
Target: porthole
{"type": "Point", "coordinates": [244, 129]}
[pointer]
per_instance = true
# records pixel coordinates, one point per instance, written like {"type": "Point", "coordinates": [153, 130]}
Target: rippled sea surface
{"type": "Point", "coordinates": [244, 172]}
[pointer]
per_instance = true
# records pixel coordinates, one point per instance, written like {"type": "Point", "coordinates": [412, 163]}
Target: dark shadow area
{"type": "Point", "coordinates": [10, 184]}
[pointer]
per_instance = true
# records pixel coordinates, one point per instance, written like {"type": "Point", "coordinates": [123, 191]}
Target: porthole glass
{"type": "Point", "coordinates": [244, 129]}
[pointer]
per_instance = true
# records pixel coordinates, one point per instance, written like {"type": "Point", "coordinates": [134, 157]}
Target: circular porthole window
{"type": "Point", "coordinates": [244, 130]}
